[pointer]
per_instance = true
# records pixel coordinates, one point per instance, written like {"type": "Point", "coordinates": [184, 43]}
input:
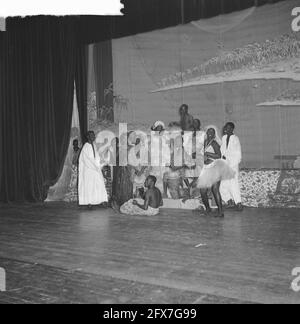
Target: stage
{"type": "Point", "coordinates": [59, 253]}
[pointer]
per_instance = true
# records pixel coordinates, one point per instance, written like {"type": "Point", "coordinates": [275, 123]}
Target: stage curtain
{"type": "Point", "coordinates": [2, 88]}
{"type": "Point", "coordinates": [37, 84]}
{"type": "Point", "coordinates": [103, 67]}
{"type": "Point", "coordinates": [65, 189]}
{"type": "Point", "coordinates": [81, 80]}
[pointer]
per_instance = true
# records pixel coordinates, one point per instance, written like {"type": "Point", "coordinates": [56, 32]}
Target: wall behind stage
{"type": "Point", "coordinates": [147, 62]}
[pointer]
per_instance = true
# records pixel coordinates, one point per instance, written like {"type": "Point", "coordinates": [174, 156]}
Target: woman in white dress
{"type": "Point", "coordinates": [91, 185]}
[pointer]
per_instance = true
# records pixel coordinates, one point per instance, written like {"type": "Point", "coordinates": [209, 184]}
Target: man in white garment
{"type": "Point", "coordinates": [91, 186]}
{"type": "Point", "coordinates": [231, 151]}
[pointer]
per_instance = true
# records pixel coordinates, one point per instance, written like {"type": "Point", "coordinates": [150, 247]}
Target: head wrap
{"type": "Point", "coordinates": [218, 138]}
{"type": "Point", "coordinates": [157, 124]}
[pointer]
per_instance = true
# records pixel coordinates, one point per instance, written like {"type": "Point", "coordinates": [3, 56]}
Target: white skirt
{"type": "Point", "coordinates": [213, 173]}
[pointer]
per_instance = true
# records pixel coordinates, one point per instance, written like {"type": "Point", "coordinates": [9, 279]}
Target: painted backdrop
{"type": "Point", "coordinates": [242, 67]}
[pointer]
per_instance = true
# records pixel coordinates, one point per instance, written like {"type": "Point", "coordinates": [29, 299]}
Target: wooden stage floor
{"type": "Point", "coordinates": [59, 253]}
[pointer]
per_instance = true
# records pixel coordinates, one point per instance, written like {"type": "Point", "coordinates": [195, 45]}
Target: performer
{"type": "Point", "coordinates": [232, 153]}
{"type": "Point", "coordinates": [157, 153]}
{"type": "Point", "coordinates": [151, 204]}
{"type": "Point", "coordinates": [72, 194]}
{"type": "Point", "coordinates": [186, 122]}
{"type": "Point", "coordinates": [76, 152]}
{"type": "Point", "coordinates": [194, 158]}
{"type": "Point", "coordinates": [138, 177]}
{"type": "Point", "coordinates": [91, 186]}
{"type": "Point", "coordinates": [139, 172]}
{"type": "Point", "coordinates": [215, 169]}
{"type": "Point", "coordinates": [173, 181]}
{"type": "Point", "coordinates": [158, 126]}
{"type": "Point", "coordinates": [122, 186]}
{"type": "Point", "coordinates": [197, 125]}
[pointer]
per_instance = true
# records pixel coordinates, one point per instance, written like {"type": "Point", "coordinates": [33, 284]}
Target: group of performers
{"type": "Point", "coordinates": [139, 190]}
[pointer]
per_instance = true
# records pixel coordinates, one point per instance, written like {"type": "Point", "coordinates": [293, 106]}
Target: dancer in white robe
{"type": "Point", "coordinates": [91, 185]}
{"type": "Point", "coordinates": [232, 154]}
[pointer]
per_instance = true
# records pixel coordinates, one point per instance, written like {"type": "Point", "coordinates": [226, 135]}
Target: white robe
{"type": "Point", "coordinates": [230, 189]}
{"type": "Point", "coordinates": [91, 186]}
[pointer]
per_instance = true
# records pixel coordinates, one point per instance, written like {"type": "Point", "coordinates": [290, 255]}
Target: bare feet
{"type": "Point", "coordinates": [207, 212]}
{"type": "Point", "coordinates": [104, 205]}
{"type": "Point", "coordinates": [219, 215]}
{"type": "Point", "coordinates": [230, 204]}
{"type": "Point", "coordinates": [239, 207]}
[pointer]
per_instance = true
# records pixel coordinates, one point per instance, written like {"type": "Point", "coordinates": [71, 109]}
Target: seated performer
{"type": "Point", "coordinates": [91, 186]}
{"type": "Point", "coordinates": [147, 207]}
{"type": "Point", "coordinates": [186, 122]}
{"type": "Point", "coordinates": [138, 178]}
{"type": "Point", "coordinates": [139, 173]}
{"type": "Point", "coordinates": [174, 175]}
{"type": "Point", "coordinates": [215, 170]}
{"type": "Point", "coordinates": [173, 181]}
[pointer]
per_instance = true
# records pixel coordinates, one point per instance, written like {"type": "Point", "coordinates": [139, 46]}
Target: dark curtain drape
{"type": "Point", "coordinates": [103, 65]}
{"type": "Point", "coordinates": [81, 80]}
{"type": "Point", "coordinates": [2, 88]}
{"type": "Point", "coordinates": [37, 83]}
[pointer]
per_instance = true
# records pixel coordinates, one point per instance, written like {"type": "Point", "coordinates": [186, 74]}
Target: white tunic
{"type": "Point", "coordinates": [230, 189]}
{"type": "Point", "coordinates": [233, 152]}
{"type": "Point", "coordinates": [91, 186]}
